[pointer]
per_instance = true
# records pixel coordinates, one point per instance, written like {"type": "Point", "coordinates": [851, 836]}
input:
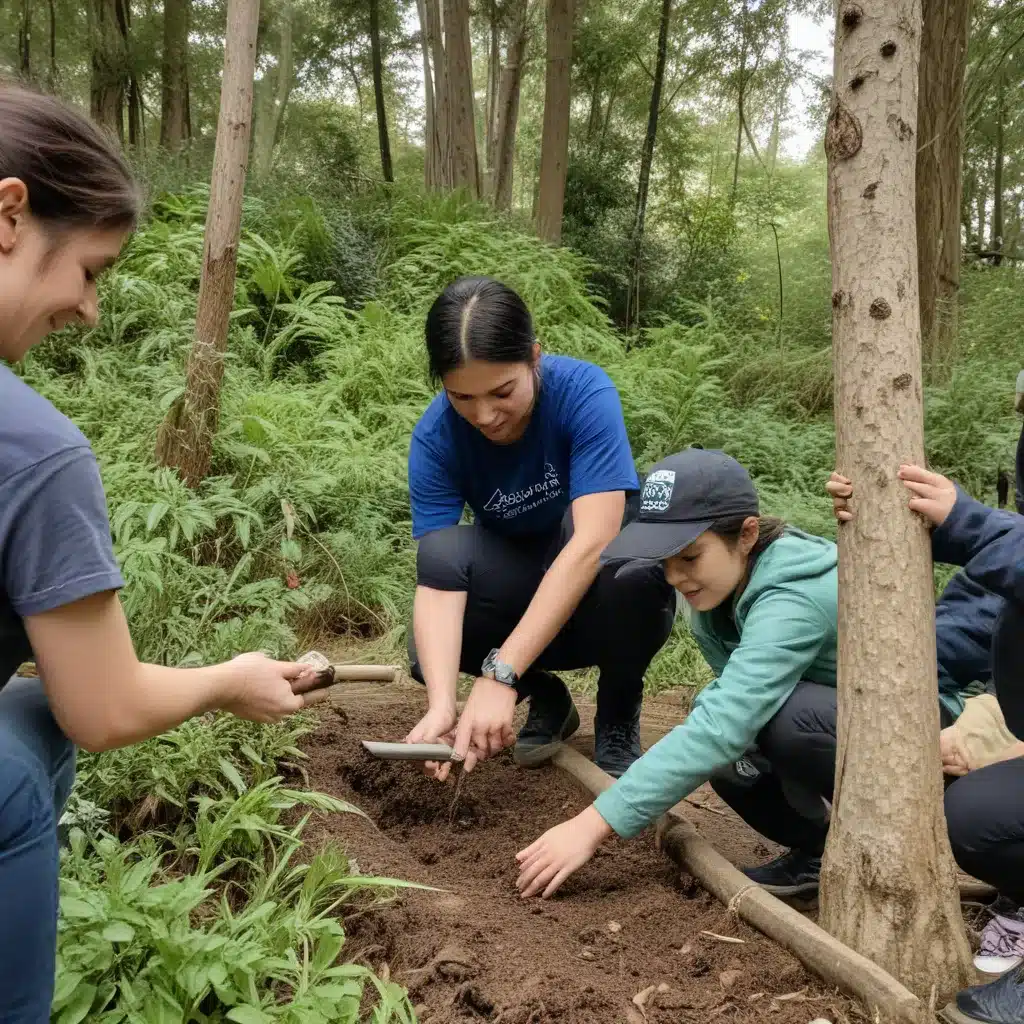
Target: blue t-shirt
{"type": "Point", "coordinates": [55, 545]}
{"type": "Point", "coordinates": [574, 444]}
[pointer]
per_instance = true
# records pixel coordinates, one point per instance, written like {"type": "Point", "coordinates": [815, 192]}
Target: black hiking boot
{"type": "Point", "coordinates": [553, 718]}
{"type": "Point", "coordinates": [793, 874]}
{"type": "Point", "coordinates": [999, 1002]}
{"type": "Point", "coordinates": [617, 744]}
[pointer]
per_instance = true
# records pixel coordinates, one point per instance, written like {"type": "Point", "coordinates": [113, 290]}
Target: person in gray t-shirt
{"type": "Point", "coordinates": [67, 203]}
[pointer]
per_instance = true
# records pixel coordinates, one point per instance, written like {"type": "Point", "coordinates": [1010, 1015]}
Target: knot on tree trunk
{"type": "Point", "coordinates": [843, 135]}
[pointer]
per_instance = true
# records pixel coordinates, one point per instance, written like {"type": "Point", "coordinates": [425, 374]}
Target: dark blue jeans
{"type": "Point", "coordinates": [37, 769]}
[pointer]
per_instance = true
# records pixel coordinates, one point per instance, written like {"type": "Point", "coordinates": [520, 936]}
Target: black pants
{"type": "Point", "coordinates": [1019, 473]}
{"type": "Point", "coordinates": [985, 817]}
{"type": "Point", "coordinates": [618, 626]}
{"type": "Point", "coordinates": [796, 751]}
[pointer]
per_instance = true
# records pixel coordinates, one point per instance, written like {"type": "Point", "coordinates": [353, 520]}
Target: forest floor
{"type": "Point", "coordinates": [625, 939]}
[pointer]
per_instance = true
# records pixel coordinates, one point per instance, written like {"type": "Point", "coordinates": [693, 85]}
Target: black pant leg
{"type": "Point", "coordinates": [985, 817]}
{"type": "Point", "coordinates": [1019, 473]}
{"type": "Point", "coordinates": [1008, 665]}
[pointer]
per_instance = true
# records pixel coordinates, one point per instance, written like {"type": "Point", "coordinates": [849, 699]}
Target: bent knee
{"type": "Point", "coordinates": [444, 558]}
{"type": "Point", "coordinates": [27, 814]}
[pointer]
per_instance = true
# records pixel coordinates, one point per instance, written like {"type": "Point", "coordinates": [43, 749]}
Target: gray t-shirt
{"type": "Point", "coordinates": [55, 545]}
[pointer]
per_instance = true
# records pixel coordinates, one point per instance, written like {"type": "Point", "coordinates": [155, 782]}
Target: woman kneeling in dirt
{"type": "Point", "coordinates": [761, 599]}
{"type": "Point", "coordinates": [67, 203]}
{"type": "Point", "coordinates": [536, 446]}
{"type": "Point", "coordinates": [985, 805]}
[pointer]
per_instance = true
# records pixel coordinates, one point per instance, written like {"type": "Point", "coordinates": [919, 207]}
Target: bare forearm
{"type": "Point", "coordinates": [437, 628]}
{"type": "Point", "coordinates": [557, 597]}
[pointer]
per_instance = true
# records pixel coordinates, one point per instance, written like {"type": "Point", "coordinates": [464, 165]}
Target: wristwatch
{"type": "Point", "coordinates": [498, 670]}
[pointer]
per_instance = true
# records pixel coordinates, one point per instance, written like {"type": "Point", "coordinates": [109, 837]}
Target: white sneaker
{"type": "Point", "coordinates": [1002, 941]}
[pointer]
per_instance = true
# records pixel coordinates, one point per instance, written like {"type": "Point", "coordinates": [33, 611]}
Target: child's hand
{"type": "Point", "coordinates": [934, 495]}
{"type": "Point", "coordinates": [548, 862]}
{"type": "Point", "coordinates": [841, 490]}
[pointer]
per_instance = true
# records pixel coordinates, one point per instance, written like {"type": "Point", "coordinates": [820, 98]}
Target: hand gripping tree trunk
{"type": "Point", "coordinates": [185, 440]}
{"type": "Point", "coordinates": [554, 146]}
{"type": "Point", "coordinates": [888, 881]}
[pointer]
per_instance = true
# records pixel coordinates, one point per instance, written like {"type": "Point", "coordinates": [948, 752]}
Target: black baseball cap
{"type": "Point", "coordinates": [682, 496]}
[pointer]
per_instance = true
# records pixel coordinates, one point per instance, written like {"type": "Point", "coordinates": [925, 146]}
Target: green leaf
{"type": "Point", "coordinates": [118, 931]}
{"type": "Point", "coordinates": [232, 774]}
{"type": "Point", "coordinates": [249, 1015]}
{"type": "Point", "coordinates": [78, 1008]}
{"type": "Point", "coordinates": [72, 906]}
{"type": "Point", "coordinates": [67, 982]}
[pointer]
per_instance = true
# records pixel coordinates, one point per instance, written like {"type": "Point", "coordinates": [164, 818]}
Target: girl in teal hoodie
{"type": "Point", "coordinates": [761, 599]}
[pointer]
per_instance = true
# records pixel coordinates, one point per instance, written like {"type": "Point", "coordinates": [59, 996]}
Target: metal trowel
{"type": "Point", "coordinates": [409, 751]}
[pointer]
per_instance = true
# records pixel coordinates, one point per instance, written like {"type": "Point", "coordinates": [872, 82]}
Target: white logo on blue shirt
{"type": "Point", "coordinates": [658, 488]}
{"type": "Point", "coordinates": [511, 505]}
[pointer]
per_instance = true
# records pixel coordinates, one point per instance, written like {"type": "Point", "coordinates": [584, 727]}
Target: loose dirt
{"type": "Point", "coordinates": [625, 939]}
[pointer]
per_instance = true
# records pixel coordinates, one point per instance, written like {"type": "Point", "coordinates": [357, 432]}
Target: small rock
{"type": "Point", "coordinates": [684, 950]}
{"type": "Point", "coordinates": [640, 999]}
{"type": "Point", "coordinates": [666, 987]}
{"type": "Point", "coordinates": [587, 954]}
{"type": "Point", "coordinates": [728, 979]}
{"type": "Point", "coordinates": [820, 1020]}
{"type": "Point", "coordinates": [614, 926]}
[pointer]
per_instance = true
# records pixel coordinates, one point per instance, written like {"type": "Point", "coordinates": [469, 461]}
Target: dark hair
{"type": "Point", "coordinates": [75, 175]}
{"type": "Point", "coordinates": [477, 318]}
{"type": "Point", "coordinates": [769, 530]}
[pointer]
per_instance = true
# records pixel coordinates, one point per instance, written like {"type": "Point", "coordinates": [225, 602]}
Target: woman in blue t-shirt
{"type": "Point", "coordinates": [535, 445]}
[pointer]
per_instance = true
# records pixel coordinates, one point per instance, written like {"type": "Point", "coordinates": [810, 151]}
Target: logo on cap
{"type": "Point", "coordinates": [657, 492]}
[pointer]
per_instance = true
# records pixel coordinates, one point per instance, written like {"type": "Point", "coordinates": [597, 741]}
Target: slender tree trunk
{"type": "Point", "coordinates": [508, 112]}
{"type": "Point", "coordinates": [274, 93]}
{"type": "Point", "coordinates": [186, 436]}
{"type": "Point", "coordinates": [888, 882]}
{"type": "Point", "coordinates": [173, 74]}
{"type": "Point", "coordinates": [109, 66]}
{"type": "Point", "coordinates": [378, 92]}
{"type": "Point", "coordinates": [459, 58]}
{"type": "Point", "coordinates": [442, 104]}
{"type": "Point", "coordinates": [981, 205]}
{"type": "Point", "coordinates": [940, 119]}
{"type": "Point", "coordinates": [431, 143]}
{"type": "Point", "coordinates": [997, 175]}
{"type": "Point", "coordinates": [554, 147]}
{"type": "Point", "coordinates": [612, 96]}
{"type": "Point", "coordinates": [594, 118]}
{"type": "Point", "coordinates": [52, 75]}
{"type": "Point", "coordinates": [740, 95]}
{"type": "Point", "coordinates": [646, 159]}
{"type": "Point", "coordinates": [25, 41]}
{"type": "Point", "coordinates": [491, 113]}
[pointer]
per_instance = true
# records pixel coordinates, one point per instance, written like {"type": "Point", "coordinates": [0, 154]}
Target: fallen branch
{"type": "Point", "coordinates": [813, 946]}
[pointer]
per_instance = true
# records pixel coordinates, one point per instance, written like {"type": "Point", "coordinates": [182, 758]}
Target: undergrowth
{"type": "Point", "coordinates": [185, 895]}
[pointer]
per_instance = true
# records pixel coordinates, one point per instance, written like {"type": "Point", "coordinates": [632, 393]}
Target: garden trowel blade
{"type": "Point", "coordinates": [409, 751]}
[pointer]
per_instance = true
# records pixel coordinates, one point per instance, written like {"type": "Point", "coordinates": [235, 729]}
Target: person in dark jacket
{"type": "Point", "coordinates": [984, 808]}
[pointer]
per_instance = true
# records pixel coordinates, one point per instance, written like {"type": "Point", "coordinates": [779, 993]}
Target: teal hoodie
{"type": "Point", "coordinates": [782, 630]}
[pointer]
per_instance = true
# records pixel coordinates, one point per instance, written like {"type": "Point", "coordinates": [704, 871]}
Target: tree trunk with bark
{"type": "Point", "coordinates": [173, 66]}
{"type": "Point", "coordinates": [52, 75]}
{"type": "Point", "coordinates": [462, 121]}
{"type": "Point", "coordinates": [554, 147]}
{"type": "Point", "coordinates": [431, 143]}
{"type": "Point", "coordinates": [508, 111]}
{"type": "Point", "coordinates": [940, 118]}
{"type": "Point", "coordinates": [378, 92]}
{"type": "Point", "coordinates": [646, 159]}
{"type": "Point", "coordinates": [996, 244]}
{"type": "Point", "coordinates": [491, 111]}
{"type": "Point", "coordinates": [741, 89]}
{"type": "Point", "coordinates": [25, 41]}
{"type": "Point", "coordinates": [442, 104]}
{"type": "Point", "coordinates": [186, 436]}
{"type": "Point", "coordinates": [109, 78]}
{"type": "Point", "coordinates": [274, 92]}
{"type": "Point", "coordinates": [888, 882]}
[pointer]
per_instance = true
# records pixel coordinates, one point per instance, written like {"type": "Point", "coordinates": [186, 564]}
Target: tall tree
{"type": "Point", "coordinates": [462, 122]}
{"type": "Point", "coordinates": [378, 92]}
{"type": "Point", "coordinates": [491, 106]}
{"type": "Point", "coordinates": [273, 92]}
{"type": "Point", "coordinates": [888, 883]}
{"type": "Point", "coordinates": [646, 159]}
{"type": "Point", "coordinates": [186, 436]}
{"type": "Point", "coordinates": [25, 41]}
{"type": "Point", "coordinates": [507, 112]}
{"type": "Point", "coordinates": [174, 75]}
{"type": "Point", "coordinates": [940, 115]}
{"type": "Point", "coordinates": [554, 146]}
{"type": "Point", "coordinates": [431, 141]}
{"type": "Point", "coordinates": [108, 25]}
{"type": "Point", "coordinates": [442, 103]}
{"type": "Point", "coordinates": [996, 244]}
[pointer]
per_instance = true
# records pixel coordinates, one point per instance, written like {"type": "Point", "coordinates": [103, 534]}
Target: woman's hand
{"type": "Point", "coordinates": [262, 690]}
{"type": "Point", "coordinates": [436, 726]}
{"type": "Point", "coordinates": [954, 753]}
{"type": "Point", "coordinates": [840, 490]}
{"type": "Point", "coordinates": [485, 726]}
{"type": "Point", "coordinates": [548, 862]}
{"type": "Point", "coordinates": [933, 495]}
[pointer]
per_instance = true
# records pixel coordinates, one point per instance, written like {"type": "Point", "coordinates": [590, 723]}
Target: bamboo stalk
{"type": "Point", "coordinates": [815, 948]}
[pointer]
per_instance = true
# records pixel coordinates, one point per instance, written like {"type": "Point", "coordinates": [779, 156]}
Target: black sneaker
{"type": "Point", "coordinates": [553, 718]}
{"type": "Point", "coordinates": [999, 1002]}
{"type": "Point", "coordinates": [793, 874]}
{"type": "Point", "coordinates": [617, 745]}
